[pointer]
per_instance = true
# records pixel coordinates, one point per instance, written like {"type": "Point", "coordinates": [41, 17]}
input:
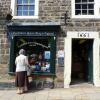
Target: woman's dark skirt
{"type": "Point", "coordinates": [21, 79]}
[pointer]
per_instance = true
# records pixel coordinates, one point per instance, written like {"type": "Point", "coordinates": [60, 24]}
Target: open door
{"type": "Point", "coordinates": [82, 60]}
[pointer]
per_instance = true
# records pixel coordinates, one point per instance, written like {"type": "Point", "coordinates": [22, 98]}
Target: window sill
{"type": "Point", "coordinates": [36, 74]}
{"type": "Point", "coordinates": [85, 17]}
{"type": "Point", "coordinates": [45, 73]}
{"type": "Point", "coordinates": [25, 17]}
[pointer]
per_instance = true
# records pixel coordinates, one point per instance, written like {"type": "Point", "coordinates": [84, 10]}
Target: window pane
{"type": "Point", "coordinates": [91, 12]}
{"type": "Point", "coordinates": [84, 12]}
{"type": "Point", "coordinates": [90, 6]}
{"type": "Point", "coordinates": [84, 0]}
{"type": "Point", "coordinates": [77, 12]}
{"type": "Point", "coordinates": [19, 8]}
{"type": "Point", "coordinates": [91, 0]}
{"type": "Point", "coordinates": [31, 7]}
{"type": "Point", "coordinates": [31, 1]}
{"type": "Point", "coordinates": [19, 1]}
{"type": "Point", "coordinates": [77, 6]}
{"type": "Point", "coordinates": [77, 1]}
{"type": "Point", "coordinates": [25, 1]}
{"type": "Point", "coordinates": [25, 7]}
{"type": "Point", "coordinates": [19, 13]}
{"type": "Point", "coordinates": [84, 6]}
{"type": "Point", "coordinates": [31, 13]}
{"type": "Point", "coordinates": [25, 13]}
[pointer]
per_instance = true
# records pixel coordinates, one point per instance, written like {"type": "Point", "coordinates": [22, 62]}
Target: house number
{"type": "Point", "coordinates": [84, 35]}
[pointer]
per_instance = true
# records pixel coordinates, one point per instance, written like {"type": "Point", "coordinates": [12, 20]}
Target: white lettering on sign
{"type": "Point", "coordinates": [83, 35]}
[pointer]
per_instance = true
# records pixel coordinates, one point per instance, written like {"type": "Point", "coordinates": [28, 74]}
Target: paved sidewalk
{"type": "Point", "coordinates": [8, 92]}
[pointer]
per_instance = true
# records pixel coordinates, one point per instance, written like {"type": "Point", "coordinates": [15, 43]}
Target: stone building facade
{"type": "Point", "coordinates": [72, 30]}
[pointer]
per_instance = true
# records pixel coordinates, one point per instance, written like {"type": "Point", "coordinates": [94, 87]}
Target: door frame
{"type": "Point", "coordinates": [68, 55]}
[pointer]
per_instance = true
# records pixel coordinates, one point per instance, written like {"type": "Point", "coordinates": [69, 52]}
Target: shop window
{"type": "Point", "coordinates": [24, 8]}
{"type": "Point", "coordinates": [40, 52]}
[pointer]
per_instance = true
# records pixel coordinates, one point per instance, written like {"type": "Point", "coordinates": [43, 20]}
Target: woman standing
{"type": "Point", "coordinates": [21, 80]}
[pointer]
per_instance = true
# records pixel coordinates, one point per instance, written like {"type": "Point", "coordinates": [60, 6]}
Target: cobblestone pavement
{"type": "Point", "coordinates": [86, 92]}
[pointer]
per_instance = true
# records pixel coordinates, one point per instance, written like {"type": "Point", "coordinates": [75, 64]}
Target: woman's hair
{"type": "Point", "coordinates": [22, 51]}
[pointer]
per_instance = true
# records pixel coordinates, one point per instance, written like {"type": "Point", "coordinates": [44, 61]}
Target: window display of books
{"type": "Point", "coordinates": [39, 63]}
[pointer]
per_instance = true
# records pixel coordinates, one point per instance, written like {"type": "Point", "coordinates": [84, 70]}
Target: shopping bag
{"type": "Point", "coordinates": [29, 71]}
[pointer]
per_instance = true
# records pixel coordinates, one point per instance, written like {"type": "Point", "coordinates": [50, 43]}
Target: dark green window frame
{"type": "Point", "coordinates": [52, 60]}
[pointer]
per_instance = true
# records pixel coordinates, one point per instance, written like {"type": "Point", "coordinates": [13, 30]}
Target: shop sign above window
{"type": "Point", "coordinates": [12, 34]}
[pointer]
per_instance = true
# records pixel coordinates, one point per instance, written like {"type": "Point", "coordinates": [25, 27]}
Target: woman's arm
{"type": "Point", "coordinates": [26, 62]}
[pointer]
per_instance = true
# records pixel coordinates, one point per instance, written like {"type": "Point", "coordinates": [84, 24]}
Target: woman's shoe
{"type": "Point", "coordinates": [19, 93]}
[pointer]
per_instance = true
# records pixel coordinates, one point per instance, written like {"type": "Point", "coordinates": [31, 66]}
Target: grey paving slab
{"type": "Point", "coordinates": [54, 97]}
{"type": "Point", "coordinates": [8, 92]}
{"type": "Point", "coordinates": [7, 95]}
{"type": "Point", "coordinates": [29, 96]}
{"type": "Point", "coordinates": [81, 97]}
{"type": "Point", "coordinates": [62, 94]}
{"type": "Point", "coordinates": [17, 97]}
{"type": "Point", "coordinates": [97, 90]}
{"type": "Point", "coordinates": [94, 96]}
{"type": "Point", "coordinates": [41, 97]}
{"type": "Point", "coordinates": [2, 93]}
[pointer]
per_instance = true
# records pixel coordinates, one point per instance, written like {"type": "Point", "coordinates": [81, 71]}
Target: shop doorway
{"type": "Point", "coordinates": [82, 61]}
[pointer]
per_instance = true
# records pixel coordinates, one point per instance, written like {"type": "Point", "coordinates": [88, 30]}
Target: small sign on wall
{"type": "Point", "coordinates": [61, 61]}
{"type": "Point", "coordinates": [61, 58]}
{"type": "Point", "coordinates": [83, 35]}
{"type": "Point", "coordinates": [60, 53]}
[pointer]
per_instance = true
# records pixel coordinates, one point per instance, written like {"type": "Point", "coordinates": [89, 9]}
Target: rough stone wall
{"type": "Point", "coordinates": [4, 53]}
{"type": "Point", "coordinates": [4, 8]}
{"type": "Point", "coordinates": [4, 44]}
{"type": "Point", "coordinates": [52, 10]}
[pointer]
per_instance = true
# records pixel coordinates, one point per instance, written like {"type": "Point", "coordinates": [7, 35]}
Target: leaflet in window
{"type": "Point", "coordinates": [47, 55]}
